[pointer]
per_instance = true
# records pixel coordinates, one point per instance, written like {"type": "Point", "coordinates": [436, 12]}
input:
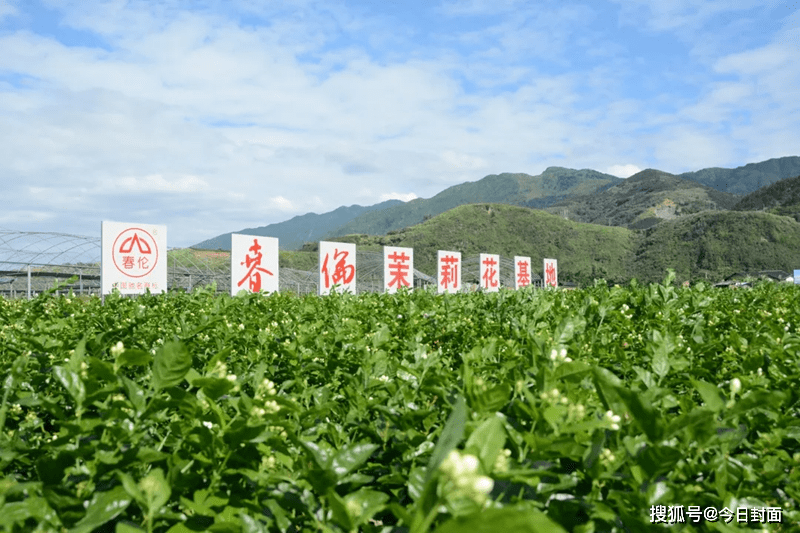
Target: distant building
{"type": "Point", "coordinates": [739, 278]}
{"type": "Point", "coordinates": [774, 275]}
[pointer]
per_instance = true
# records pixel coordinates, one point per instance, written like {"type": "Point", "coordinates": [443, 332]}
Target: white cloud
{"type": "Point", "coordinates": [623, 171]}
{"type": "Point", "coordinates": [407, 197]}
{"type": "Point", "coordinates": [158, 183]}
{"type": "Point", "coordinates": [7, 8]}
{"type": "Point", "coordinates": [462, 161]}
{"type": "Point", "coordinates": [684, 15]}
{"type": "Point", "coordinates": [17, 219]}
{"type": "Point", "coordinates": [279, 202]}
{"type": "Point", "coordinates": [259, 112]}
{"type": "Point", "coordinates": [477, 7]}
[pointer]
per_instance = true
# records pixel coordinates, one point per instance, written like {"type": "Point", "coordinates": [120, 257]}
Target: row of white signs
{"type": "Point", "coordinates": [134, 260]}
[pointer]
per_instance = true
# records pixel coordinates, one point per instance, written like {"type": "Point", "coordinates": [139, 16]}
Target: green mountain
{"type": "Point", "coordinates": [294, 232]}
{"type": "Point", "coordinates": [714, 245]}
{"type": "Point", "coordinates": [708, 245]}
{"type": "Point", "coordinates": [638, 202]}
{"type": "Point", "coordinates": [746, 179]}
{"type": "Point", "coordinates": [779, 198]}
{"type": "Point", "coordinates": [643, 200]}
{"type": "Point", "coordinates": [550, 186]}
{"type": "Point", "coordinates": [585, 250]}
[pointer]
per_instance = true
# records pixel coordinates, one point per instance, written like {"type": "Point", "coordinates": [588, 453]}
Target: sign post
{"type": "Point", "coordinates": [448, 265]}
{"type": "Point", "coordinates": [522, 271]}
{"type": "Point", "coordinates": [551, 273]}
{"type": "Point", "coordinates": [133, 258]}
{"type": "Point", "coordinates": [337, 267]}
{"type": "Point", "coordinates": [254, 264]}
{"type": "Point", "coordinates": [490, 272]}
{"type": "Point", "coordinates": [398, 268]}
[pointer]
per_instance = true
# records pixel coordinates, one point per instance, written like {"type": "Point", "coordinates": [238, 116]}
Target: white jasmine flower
{"type": "Point", "coordinates": [483, 485]}
{"type": "Point", "coordinates": [613, 420]}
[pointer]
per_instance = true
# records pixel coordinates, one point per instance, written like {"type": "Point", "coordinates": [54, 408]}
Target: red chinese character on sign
{"type": "Point", "coordinates": [550, 275]}
{"type": "Point", "coordinates": [253, 263]}
{"type": "Point", "coordinates": [127, 245]}
{"type": "Point", "coordinates": [523, 276]}
{"type": "Point", "coordinates": [489, 274]}
{"type": "Point", "coordinates": [449, 271]}
{"type": "Point", "coordinates": [342, 272]}
{"type": "Point", "coordinates": [135, 253]}
{"type": "Point", "coordinates": [398, 270]}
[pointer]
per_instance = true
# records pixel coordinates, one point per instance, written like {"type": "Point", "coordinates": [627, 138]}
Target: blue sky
{"type": "Point", "coordinates": [216, 115]}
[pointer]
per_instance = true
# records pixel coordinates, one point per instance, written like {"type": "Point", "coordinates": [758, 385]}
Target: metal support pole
{"type": "Point", "coordinates": [29, 282]}
{"type": "Point", "coordinates": [80, 278]}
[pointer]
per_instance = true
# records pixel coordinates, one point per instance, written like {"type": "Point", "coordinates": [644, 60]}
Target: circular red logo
{"type": "Point", "coordinates": [135, 253]}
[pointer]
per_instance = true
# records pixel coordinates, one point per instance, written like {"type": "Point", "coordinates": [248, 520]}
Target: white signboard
{"type": "Point", "coordinates": [254, 263]}
{"type": "Point", "coordinates": [522, 271]}
{"type": "Point", "coordinates": [550, 273]}
{"type": "Point", "coordinates": [398, 268]}
{"type": "Point", "coordinates": [797, 277]}
{"type": "Point", "coordinates": [133, 258]}
{"type": "Point", "coordinates": [448, 267]}
{"type": "Point", "coordinates": [490, 272]}
{"type": "Point", "coordinates": [337, 267]}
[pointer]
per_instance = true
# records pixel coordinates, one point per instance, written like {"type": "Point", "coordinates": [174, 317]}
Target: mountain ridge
{"type": "Point", "coordinates": [554, 185]}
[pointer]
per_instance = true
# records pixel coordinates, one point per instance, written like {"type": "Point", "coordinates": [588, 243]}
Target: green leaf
{"type": "Point", "coordinates": [381, 337]}
{"type": "Point", "coordinates": [643, 413]}
{"type": "Point", "coordinates": [656, 460]}
{"type": "Point", "coordinates": [364, 503]}
{"type": "Point", "coordinates": [350, 458]}
{"type": "Point", "coordinates": [123, 527]}
{"type": "Point", "coordinates": [135, 394]}
{"type": "Point", "coordinates": [149, 455]}
{"type": "Point", "coordinates": [131, 487]}
{"type": "Point", "coordinates": [133, 357]}
{"type": "Point", "coordinates": [710, 394]}
{"type": "Point", "coordinates": [339, 511]}
{"type": "Point", "coordinates": [451, 435]}
{"type": "Point", "coordinates": [572, 371]}
{"type": "Point", "coordinates": [487, 441]}
{"type": "Point", "coordinates": [172, 361]}
{"type": "Point", "coordinates": [104, 506]}
{"type": "Point", "coordinates": [506, 519]}
{"type": "Point", "coordinates": [155, 489]}
{"type": "Point", "coordinates": [320, 455]}
{"type": "Point", "coordinates": [660, 363]}
{"type": "Point", "coordinates": [251, 525]}
{"type": "Point", "coordinates": [761, 399]}
{"type": "Point", "coordinates": [72, 382]}
{"type": "Point", "coordinates": [569, 327]}
{"type": "Point", "coordinates": [662, 347]}
{"type": "Point", "coordinates": [214, 388]}
{"type": "Point", "coordinates": [416, 482]}
{"type": "Point", "coordinates": [607, 384]}
{"type": "Point", "coordinates": [280, 515]}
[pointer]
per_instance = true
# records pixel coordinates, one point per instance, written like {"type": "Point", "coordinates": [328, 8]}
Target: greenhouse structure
{"type": "Point", "coordinates": [33, 262]}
